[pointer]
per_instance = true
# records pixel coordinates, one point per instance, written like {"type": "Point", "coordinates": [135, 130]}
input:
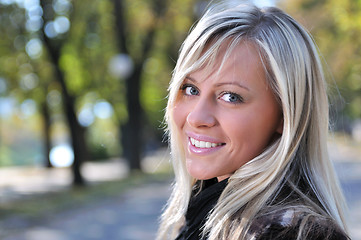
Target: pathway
{"type": "Point", "coordinates": [133, 215]}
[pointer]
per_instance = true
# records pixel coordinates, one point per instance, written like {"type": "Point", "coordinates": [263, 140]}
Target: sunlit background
{"type": "Point", "coordinates": [83, 84]}
{"type": "Point", "coordinates": [94, 70]}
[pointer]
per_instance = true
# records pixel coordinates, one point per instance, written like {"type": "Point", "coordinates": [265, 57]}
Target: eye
{"type": "Point", "coordinates": [231, 97]}
{"type": "Point", "coordinates": [189, 90]}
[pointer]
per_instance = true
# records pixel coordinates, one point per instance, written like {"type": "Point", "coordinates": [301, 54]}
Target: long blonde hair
{"type": "Point", "coordinates": [294, 72]}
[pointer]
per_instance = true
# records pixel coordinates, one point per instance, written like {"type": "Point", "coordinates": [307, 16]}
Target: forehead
{"type": "Point", "coordinates": [236, 60]}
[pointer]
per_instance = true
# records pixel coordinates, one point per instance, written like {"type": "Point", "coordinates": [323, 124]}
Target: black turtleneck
{"type": "Point", "coordinates": [204, 197]}
{"type": "Point", "coordinates": [274, 225]}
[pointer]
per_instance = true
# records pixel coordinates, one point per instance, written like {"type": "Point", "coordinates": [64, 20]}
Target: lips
{"type": "Point", "coordinates": [202, 144]}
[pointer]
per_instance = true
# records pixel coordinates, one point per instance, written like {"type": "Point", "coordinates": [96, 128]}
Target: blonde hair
{"type": "Point", "coordinates": [298, 157]}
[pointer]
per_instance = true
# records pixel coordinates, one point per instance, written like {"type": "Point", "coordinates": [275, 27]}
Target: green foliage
{"type": "Point", "coordinates": [85, 51]}
{"type": "Point", "coordinates": [103, 139]}
{"type": "Point", "coordinates": [336, 27]}
{"type": "Point", "coordinates": [158, 68]}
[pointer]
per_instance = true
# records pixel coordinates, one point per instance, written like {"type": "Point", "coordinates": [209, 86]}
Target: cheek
{"type": "Point", "coordinates": [253, 130]}
{"type": "Point", "coordinates": [264, 127]}
{"type": "Point", "coordinates": [179, 114]}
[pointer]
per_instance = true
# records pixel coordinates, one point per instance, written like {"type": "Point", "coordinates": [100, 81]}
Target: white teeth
{"type": "Point", "coordinates": [202, 144]}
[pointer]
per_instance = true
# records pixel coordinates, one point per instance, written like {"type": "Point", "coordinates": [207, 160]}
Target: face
{"type": "Point", "coordinates": [227, 117]}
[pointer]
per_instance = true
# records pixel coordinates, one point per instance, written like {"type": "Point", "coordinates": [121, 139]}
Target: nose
{"type": "Point", "coordinates": [202, 114]}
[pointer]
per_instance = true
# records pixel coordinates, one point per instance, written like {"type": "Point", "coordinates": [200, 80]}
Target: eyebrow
{"type": "Point", "coordinates": [222, 83]}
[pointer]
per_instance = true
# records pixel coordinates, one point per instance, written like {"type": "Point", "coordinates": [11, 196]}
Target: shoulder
{"type": "Point", "coordinates": [290, 223]}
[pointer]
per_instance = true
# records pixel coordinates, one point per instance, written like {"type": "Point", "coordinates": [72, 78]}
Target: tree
{"type": "Point", "coordinates": [154, 32]}
{"type": "Point", "coordinates": [20, 71]}
{"type": "Point", "coordinates": [54, 46]}
{"type": "Point", "coordinates": [131, 130]}
{"type": "Point", "coordinates": [336, 27]}
{"type": "Point", "coordinates": [73, 61]}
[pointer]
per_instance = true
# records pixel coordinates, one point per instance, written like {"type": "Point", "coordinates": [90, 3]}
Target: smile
{"type": "Point", "coordinates": [203, 144]}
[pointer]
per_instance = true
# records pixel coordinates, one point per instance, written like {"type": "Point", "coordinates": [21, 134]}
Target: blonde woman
{"type": "Point", "coordinates": [248, 121]}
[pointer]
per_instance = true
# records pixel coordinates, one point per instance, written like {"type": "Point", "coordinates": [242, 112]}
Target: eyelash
{"type": "Point", "coordinates": [186, 85]}
{"type": "Point", "coordinates": [239, 98]}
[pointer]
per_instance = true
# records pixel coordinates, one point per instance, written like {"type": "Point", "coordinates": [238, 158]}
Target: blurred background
{"type": "Point", "coordinates": [83, 88]}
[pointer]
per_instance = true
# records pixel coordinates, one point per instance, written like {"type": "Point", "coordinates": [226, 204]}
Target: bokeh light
{"type": "Point", "coordinates": [29, 81]}
{"type": "Point", "coordinates": [7, 106]}
{"type": "Point", "coordinates": [61, 6]}
{"type": "Point", "coordinates": [103, 109]}
{"type": "Point", "coordinates": [53, 98]}
{"type": "Point", "coordinates": [28, 108]}
{"type": "Point", "coordinates": [34, 48]}
{"type": "Point", "coordinates": [86, 116]}
{"type": "Point", "coordinates": [62, 156]}
{"type": "Point", "coordinates": [121, 66]}
{"type": "Point", "coordinates": [61, 25]}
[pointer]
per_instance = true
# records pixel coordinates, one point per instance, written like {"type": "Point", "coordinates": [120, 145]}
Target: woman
{"type": "Point", "coordinates": [248, 121]}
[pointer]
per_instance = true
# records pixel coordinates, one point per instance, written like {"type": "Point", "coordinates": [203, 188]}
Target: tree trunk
{"type": "Point", "coordinates": [47, 139]}
{"type": "Point", "coordinates": [77, 132]}
{"type": "Point", "coordinates": [132, 129]}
